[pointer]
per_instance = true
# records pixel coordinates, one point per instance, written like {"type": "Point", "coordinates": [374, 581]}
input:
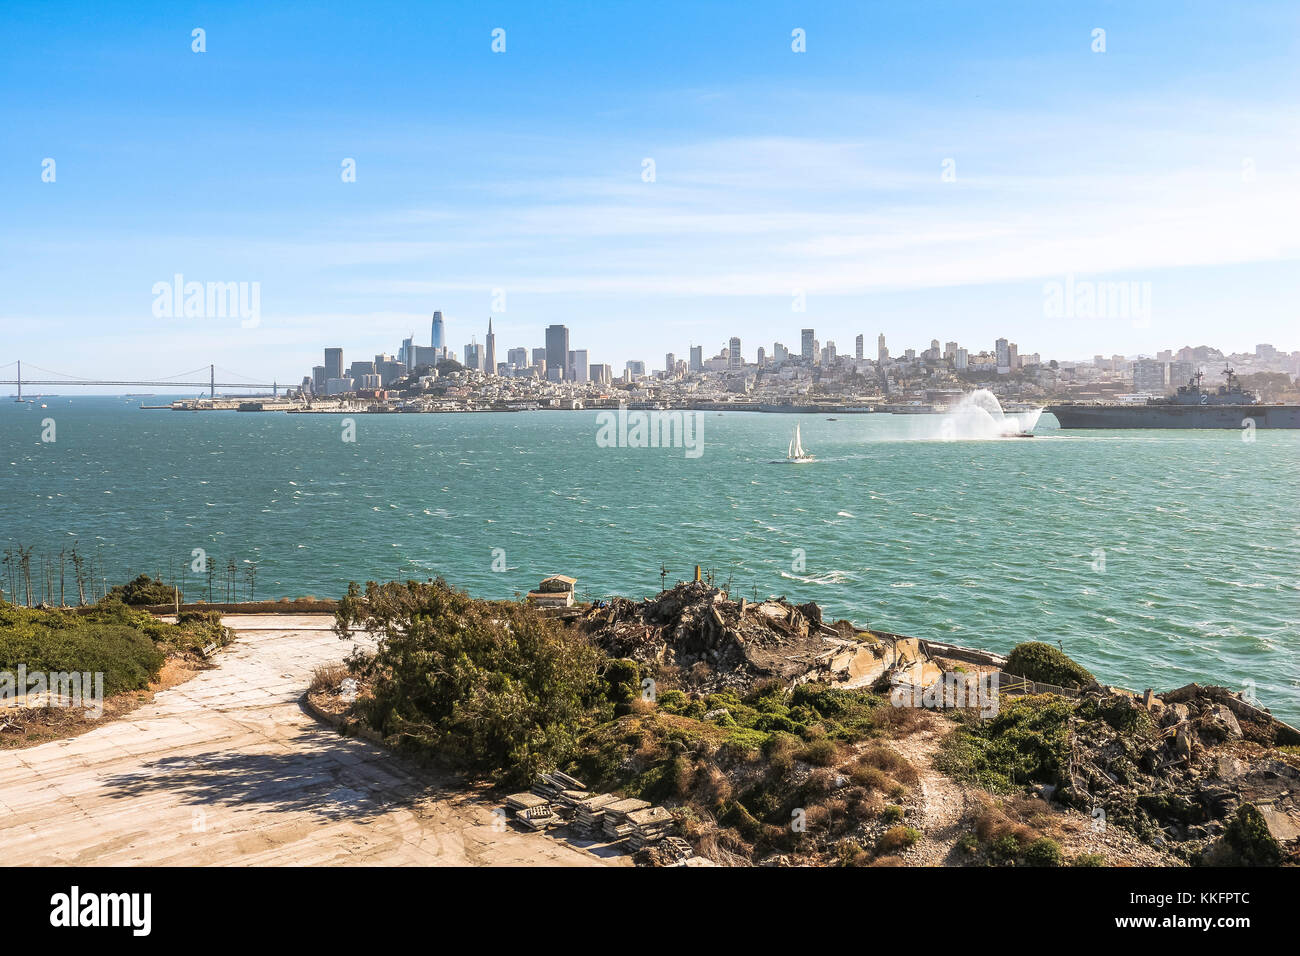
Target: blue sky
{"type": "Point", "coordinates": [1173, 158]}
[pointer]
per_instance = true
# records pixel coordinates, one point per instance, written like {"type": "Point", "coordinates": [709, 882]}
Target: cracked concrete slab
{"type": "Point", "coordinates": [227, 769]}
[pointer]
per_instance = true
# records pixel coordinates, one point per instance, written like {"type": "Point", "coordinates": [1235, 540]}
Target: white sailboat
{"type": "Point", "coordinates": [797, 454]}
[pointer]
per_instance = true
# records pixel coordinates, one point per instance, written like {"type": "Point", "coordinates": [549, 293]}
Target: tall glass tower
{"type": "Point", "coordinates": [438, 341]}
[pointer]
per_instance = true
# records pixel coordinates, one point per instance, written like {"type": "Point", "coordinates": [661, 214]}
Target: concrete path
{"type": "Point", "coordinates": [228, 769]}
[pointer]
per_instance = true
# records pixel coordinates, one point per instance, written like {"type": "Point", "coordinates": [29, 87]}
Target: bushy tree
{"type": "Point", "coordinates": [143, 591]}
{"type": "Point", "coordinates": [491, 686]}
{"type": "Point", "coordinates": [1046, 664]}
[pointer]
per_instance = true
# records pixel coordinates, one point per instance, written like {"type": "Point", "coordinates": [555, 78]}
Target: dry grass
{"type": "Point", "coordinates": [821, 753]}
{"type": "Point", "coordinates": [1021, 817]}
{"type": "Point", "coordinates": [712, 788]}
{"type": "Point", "coordinates": [901, 721]}
{"type": "Point", "coordinates": [897, 838]}
{"type": "Point", "coordinates": [883, 771]}
{"type": "Point", "coordinates": [848, 853]}
{"type": "Point", "coordinates": [891, 762]}
{"type": "Point", "coordinates": [992, 823]}
{"type": "Point", "coordinates": [327, 678]}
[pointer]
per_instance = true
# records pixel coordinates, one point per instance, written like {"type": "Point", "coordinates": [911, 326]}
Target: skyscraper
{"type": "Point", "coordinates": [438, 340]}
{"type": "Point", "coordinates": [697, 358]}
{"type": "Point", "coordinates": [882, 353]}
{"type": "Point", "coordinates": [809, 350]}
{"type": "Point", "coordinates": [734, 359]}
{"type": "Point", "coordinates": [578, 366]}
{"type": "Point", "coordinates": [557, 348]}
{"type": "Point", "coordinates": [857, 348]}
{"type": "Point", "coordinates": [333, 363]}
{"type": "Point", "coordinates": [490, 359]}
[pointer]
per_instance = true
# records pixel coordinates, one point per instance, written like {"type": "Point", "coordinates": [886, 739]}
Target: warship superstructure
{"type": "Point", "coordinates": [1229, 406]}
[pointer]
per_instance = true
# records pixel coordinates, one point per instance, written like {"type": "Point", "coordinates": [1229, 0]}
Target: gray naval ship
{"type": "Point", "coordinates": [1192, 407]}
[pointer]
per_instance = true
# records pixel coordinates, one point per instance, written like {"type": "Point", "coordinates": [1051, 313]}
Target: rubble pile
{"type": "Point", "coordinates": [1176, 766]}
{"type": "Point", "coordinates": [718, 642]}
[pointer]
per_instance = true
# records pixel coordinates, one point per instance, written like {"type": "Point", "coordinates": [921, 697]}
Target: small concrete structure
{"type": "Point", "coordinates": [555, 591]}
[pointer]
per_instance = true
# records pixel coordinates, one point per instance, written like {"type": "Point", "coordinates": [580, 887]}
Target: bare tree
{"type": "Point", "coordinates": [25, 562]}
{"type": "Point", "coordinates": [79, 572]}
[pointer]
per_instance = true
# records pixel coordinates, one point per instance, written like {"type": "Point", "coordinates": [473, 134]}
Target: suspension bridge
{"type": "Point", "coordinates": [174, 381]}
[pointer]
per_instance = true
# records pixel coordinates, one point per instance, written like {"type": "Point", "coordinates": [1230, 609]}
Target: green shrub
{"type": "Point", "coordinates": [623, 678]}
{"type": "Point", "coordinates": [144, 590]}
{"type": "Point", "coordinates": [770, 690]}
{"type": "Point", "coordinates": [491, 686]}
{"type": "Point", "coordinates": [1046, 664]}
{"type": "Point", "coordinates": [1005, 848]}
{"type": "Point", "coordinates": [673, 701]}
{"type": "Point", "coordinates": [771, 722]}
{"type": "Point", "coordinates": [1248, 837]}
{"type": "Point", "coordinates": [1044, 852]}
{"type": "Point", "coordinates": [199, 617]}
{"type": "Point", "coordinates": [1028, 741]}
{"type": "Point", "coordinates": [117, 642]}
{"type": "Point", "coordinates": [827, 701]}
{"type": "Point", "coordinates": [1088, 859]}
{"type": "Point", "coordinates": [893, 813]}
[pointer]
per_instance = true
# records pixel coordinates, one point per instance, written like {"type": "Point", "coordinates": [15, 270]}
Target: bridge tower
{"type": "Point", "coordinates": [20, 381]}
{"type": "Point", "coordinates": [212, 382]}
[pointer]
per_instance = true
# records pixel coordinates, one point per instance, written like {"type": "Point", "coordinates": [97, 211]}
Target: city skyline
{"type": "Point", "coordinates": [1006, 354]}
{"type": "Point", "coordinates": [889, 178]}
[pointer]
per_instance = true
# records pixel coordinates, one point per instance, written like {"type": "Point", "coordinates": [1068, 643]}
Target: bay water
{"type": "Point", "coordinates": [1153, 557]}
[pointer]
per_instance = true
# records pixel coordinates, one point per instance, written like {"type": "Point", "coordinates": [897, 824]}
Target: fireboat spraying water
{"type": "Point", "coordinates": [979, 416]}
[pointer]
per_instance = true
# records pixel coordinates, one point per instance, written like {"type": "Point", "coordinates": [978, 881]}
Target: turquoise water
{"type": "Point", "coordinates": [984, 543]}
